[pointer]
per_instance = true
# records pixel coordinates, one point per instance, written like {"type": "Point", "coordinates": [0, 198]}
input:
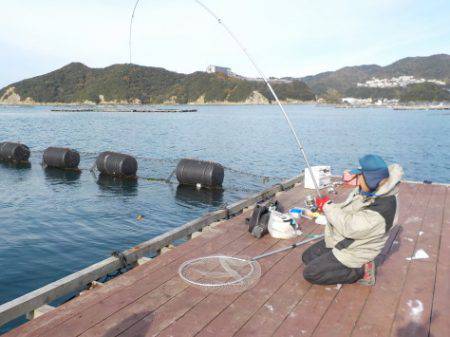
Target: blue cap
{"type": "Point", "coordinates": [374, 169]}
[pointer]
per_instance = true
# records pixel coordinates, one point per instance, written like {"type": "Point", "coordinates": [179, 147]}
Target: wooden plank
{"type": "Point", "coordinates": [234, 316]}
{"type": "Point", "coordinates": [305, 316]}
{"type": "Point", "coordinates": [208, 317]}
{"type": "Point", "coordinates": [183, 302]}
{"type": "Point", "coordinates": [350, 300]}
{"type": "Point", "coordinates": [165, 294]}
{"type": "Point", "coordinates": [414, 308]}
{"type": "Point", "coordinates": [270, 315]}
{"type": "Point", "coordinates": [440, 322]}
{"type": "Point", "coordinates": [429, 236]}
{"type": "Point", "coordinates": [391, 276]}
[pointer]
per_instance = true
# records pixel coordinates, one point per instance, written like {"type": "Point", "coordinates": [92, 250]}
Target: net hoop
{"type": "Point", "coordinates": [236, 282]}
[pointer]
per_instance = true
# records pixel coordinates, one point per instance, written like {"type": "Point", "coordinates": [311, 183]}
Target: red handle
{"type": "Point", "coordinates": [320, 202]}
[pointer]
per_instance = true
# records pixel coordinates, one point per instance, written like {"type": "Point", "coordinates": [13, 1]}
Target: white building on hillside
{"type": "Point", "coordinates": [356, 101]}
{"type": "Point", "coordinates": [401, 81]}
{"type": "Point", "coordinates": [211, 69]}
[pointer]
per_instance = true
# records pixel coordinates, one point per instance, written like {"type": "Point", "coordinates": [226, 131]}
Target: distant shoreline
{"type": "Point", "coordinates": [429, 106]}
{"type": "Point", "coordinates": [89, 104]}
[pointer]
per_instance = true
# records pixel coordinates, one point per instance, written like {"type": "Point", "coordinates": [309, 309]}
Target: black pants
{"type": "Point", "coordinates": [322, 267]}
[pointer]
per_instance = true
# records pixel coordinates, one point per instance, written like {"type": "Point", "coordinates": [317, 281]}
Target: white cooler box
{"type": "Point", "coordinates": [322, 175]}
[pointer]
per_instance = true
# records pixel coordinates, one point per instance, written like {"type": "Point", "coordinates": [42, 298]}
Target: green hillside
{"type": "Point", "coordinates": [342, 80]}
{"type": "Point", "coordinates": [131, 83]}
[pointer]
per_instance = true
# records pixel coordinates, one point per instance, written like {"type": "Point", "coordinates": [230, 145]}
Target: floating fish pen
{"type": "Point", "coordinates": [165, 110]}
{"type": "Point", "coordinates": [73, 110]}
{"type": "Point", "coordinates": [200, 173]}
{"type": "Point", "coordinates": [162, 110]}
{"type": "Point", "coordinates": [62, 158]}
{"type": "Point", "coordinates": [14, 152]}
{"type": "Point", "coordinates": [153, 300]}
{"type": "Point", "coordinates": [117, 164]}
{"type": "Point", "coordinates": [192, 172]}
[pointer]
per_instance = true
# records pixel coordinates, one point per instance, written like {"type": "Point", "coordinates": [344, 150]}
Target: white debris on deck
{"type": "Point", "coordinates": [420, 254]}
{"type": "Point", "coordinates": [415, 308]}
{"type": "Point", "coordinates": [270, 307]}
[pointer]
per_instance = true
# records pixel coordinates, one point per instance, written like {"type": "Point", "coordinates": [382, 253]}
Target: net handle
{"type": "Point", "coordinates": [258, 257]}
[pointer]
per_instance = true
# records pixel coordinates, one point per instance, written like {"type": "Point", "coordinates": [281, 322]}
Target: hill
{"type": "Point", "coordinates": [341, 79]}
{"type": "Point", "coordinates": [129, 83]}
{"type": "Point", "coordinates": [428, 67]}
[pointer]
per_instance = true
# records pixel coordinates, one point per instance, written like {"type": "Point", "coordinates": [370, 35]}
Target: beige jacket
{"type": "Point", "coordinates": [359, 227]}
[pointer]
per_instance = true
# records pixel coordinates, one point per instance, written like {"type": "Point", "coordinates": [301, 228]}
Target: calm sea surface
{"type": "Point", "coordinates": [54, 223]}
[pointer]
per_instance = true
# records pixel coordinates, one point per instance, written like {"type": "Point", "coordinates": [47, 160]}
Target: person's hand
{"type": "Point", "coordinates": [308, 213]}
{"type": "Point", "coordinates": [320, 202]}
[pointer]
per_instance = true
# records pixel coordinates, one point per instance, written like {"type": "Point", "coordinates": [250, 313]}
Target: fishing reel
{"type": "Point", "coordinates": [310, 203]}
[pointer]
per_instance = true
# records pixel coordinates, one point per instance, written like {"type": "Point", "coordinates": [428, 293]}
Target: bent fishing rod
{"type": "Point", "coordinates": [261, 73]}
{"type": "Point", "coordinates": [131, 26]}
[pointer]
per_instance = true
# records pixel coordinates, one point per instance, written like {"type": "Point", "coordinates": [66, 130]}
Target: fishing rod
{"type": "Point", "coordinates": [131, 27]}
{"type": "Point", "coordinates": [261, 73]}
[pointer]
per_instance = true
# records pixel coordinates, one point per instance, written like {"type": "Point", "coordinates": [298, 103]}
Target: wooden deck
{"type": "Point", "coordinates": [411, 297]}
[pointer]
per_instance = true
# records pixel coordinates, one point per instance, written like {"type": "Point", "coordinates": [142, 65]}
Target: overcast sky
{"type": "Point", "coordinates": [287, 37]}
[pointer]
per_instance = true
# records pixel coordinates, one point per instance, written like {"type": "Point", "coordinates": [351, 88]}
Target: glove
{"type": "Point", "coordinates": [320, 202]}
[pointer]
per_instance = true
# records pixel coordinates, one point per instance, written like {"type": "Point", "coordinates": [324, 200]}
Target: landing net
{"type": "Point", "coordinates": [219, 273]}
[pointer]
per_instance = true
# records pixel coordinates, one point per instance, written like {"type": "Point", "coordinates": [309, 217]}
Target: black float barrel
{"type": "Point", "coordinates": [62, 158]}
{"type": "Point", "coordinates": [206, 173]}
{"type": "Point", "coordinates": [14, 152]}
{"type": "Point", "coordinates": [116, 164]}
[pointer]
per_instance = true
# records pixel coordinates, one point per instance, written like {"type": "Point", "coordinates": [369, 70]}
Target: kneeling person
{"type": "Point", "coordinates": [358, 228]}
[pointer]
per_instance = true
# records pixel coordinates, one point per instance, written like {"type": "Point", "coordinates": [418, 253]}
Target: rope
{"type": "Point", "coordinates": [122, 258]}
